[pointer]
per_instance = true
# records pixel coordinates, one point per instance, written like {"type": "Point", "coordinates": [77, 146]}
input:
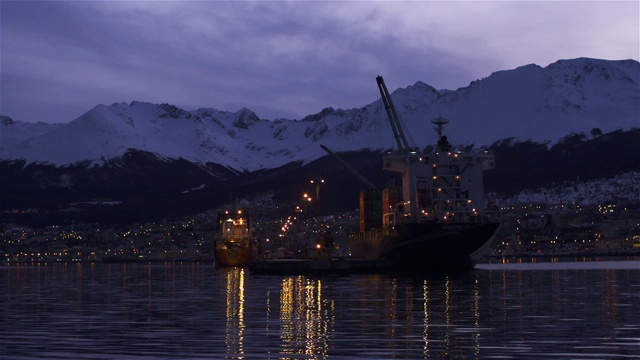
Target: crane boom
{"type": "Point", "coordinates": [355, 172]}
{"type": "Point", "coordinates": [396, 123]}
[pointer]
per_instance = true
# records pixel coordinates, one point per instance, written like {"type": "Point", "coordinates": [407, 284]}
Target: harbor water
{"type": "Point", "coordinates": [522, 310]}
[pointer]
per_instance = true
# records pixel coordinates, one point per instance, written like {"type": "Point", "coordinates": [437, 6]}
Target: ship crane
{"type": "Point", "coordinates": [407, 162]}
{"type": "Point", "coordinates": [403, 141]}
{"type": "Point", "coordinates": [350, 168]}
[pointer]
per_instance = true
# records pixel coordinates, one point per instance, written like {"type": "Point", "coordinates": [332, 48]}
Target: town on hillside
{"type": "Point", "coordinates": [528, 229]}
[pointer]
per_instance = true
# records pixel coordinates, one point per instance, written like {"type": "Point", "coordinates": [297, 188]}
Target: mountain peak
{"type": "Point", "coordinates": [171, 111]}
{"type": "Point", "coordinates": [627, 70]}
{"type": "Point", "coordinates": [5, 120]}
{"type": "Point", "coordinates": [422, 86]}
{"type": "Point", "coordinates": [318, 116]}
{"type": "Point", "coordinates": [244, 118]}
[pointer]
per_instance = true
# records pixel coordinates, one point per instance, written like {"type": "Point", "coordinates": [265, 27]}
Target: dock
{"type": "Point", "coordinates": [337, 266]}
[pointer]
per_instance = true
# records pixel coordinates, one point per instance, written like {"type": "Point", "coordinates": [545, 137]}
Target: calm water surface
{"type": "Point", "coordinates": [578, 310]}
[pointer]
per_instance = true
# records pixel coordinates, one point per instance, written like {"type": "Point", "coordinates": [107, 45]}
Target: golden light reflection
{"type": "Point", "coordinates": [234, 339]}
{"type": "Point", "coordinates": [476, 316]}
{"type": "Point", "coordinates": [427, 308]}
{"type": "Point", "coordinates": [306, 318]}
{"type": "Point", "coordinates": [393, 307]}
{"type": "Point", "coordinates": [445, 318]}
{"type": "Point", "coordinates": [448, 314]}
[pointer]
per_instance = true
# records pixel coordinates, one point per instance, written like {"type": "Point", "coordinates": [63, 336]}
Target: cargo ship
{"type": "Point", "coordinates": [438, 218]}
{"type": "Point", "coordinates": [234, 244]}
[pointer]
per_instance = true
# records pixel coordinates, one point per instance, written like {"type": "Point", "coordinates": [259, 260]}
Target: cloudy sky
{"type": "Point", "coordinates": [282, 59]}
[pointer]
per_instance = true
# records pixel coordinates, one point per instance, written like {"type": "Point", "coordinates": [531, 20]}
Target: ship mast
{"type": "Point", "coordinates": [440, 122]}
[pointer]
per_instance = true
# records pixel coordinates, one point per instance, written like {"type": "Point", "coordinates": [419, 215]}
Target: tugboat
{"type": "Point", "coordinates": [234, 243]}
{"type": "Point", "coordinates": [437, 218]}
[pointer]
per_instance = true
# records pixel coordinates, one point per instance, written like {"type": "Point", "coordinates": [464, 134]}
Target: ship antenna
{"type": "Point", "coordinates": [439, 122]}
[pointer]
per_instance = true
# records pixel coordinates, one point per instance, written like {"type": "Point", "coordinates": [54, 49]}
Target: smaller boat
{"type": "Point", "coordinates": [234, 242]}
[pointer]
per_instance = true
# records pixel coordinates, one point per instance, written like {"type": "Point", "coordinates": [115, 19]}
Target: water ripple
{"type": "Point", "coordinates": [195, 311]}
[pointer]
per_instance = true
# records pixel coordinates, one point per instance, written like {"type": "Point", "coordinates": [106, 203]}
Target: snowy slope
{"type": "Point", "coordinates": [13, 132]}
{"type": "Point", "coordinates": [623, 186]}
{"type": "Point", "coordinates": [530, 102]}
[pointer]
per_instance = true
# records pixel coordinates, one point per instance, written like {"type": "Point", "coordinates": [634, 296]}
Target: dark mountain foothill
{"type": "Point", "coordinates": [528, 164]}
{"type": "Point", "coordinates": [141, 187]}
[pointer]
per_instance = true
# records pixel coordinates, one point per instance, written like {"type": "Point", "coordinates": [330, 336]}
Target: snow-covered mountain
{"type": "Point", "coordinates": [526, 103]}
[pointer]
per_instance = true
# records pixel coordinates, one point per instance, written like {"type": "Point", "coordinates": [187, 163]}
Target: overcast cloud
{"type": "Point", "coordinates": [282, 59]}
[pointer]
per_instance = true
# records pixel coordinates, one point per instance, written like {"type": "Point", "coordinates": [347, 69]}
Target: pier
{"type": "Point", "coordinates": [337, 266]}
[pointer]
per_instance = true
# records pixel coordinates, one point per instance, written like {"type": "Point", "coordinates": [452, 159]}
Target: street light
{"type": "Point", "coordinates": [306, 199]}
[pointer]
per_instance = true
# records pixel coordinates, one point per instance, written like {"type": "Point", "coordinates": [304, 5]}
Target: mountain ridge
{"type": "Point", "coordinates": [527, 103]}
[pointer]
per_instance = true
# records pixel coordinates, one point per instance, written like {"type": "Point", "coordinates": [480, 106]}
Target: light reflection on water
{"type": "Point", "coordinates": [191, 310]}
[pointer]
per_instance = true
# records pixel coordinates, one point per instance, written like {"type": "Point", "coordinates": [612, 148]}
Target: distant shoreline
{"type": "Point", "coordinates": [629, 254]}
{"type": "Point", "coordinates": [591, 253]}
{"type": "Point", "coordinates": [100, 261]}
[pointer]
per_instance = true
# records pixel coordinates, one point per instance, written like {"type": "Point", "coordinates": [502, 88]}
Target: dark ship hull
{"type": "Point", "coordinates": [427, 246]}
{"type": "Point", "coordinates": [233, 256]}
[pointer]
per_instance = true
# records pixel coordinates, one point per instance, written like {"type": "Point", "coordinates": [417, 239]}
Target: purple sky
{"type": "Point", "coordinates": [282, 59]}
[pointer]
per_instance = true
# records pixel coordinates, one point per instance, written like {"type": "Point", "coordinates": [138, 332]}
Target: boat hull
{"type": "Point", "coordinates": [233, 256]}
{"type": "Point", "coordinates": [429, 246]}
{"type": "Point", "coordinates": [234, 243]}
